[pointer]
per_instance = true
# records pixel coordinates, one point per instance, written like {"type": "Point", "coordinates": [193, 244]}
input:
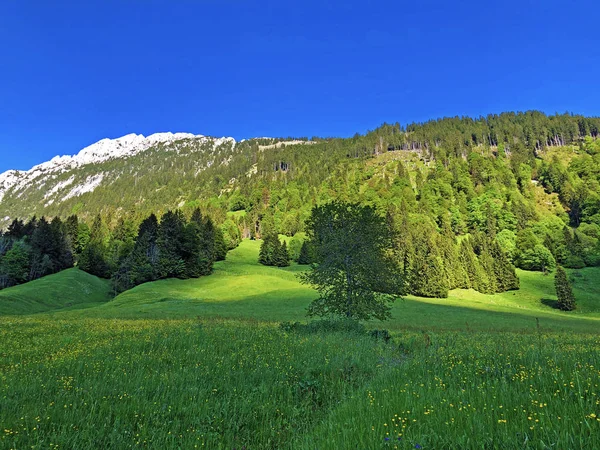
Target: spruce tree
{"type": "Point", "coordinates": [506, 275]}
{"type": "Point", "coordinates": [171, 237]}
{"type": "Point", "coordinates": [269, 249]}
{"type": "Point", "coordinates": [564, 291]}
{"type": "Point", "coordinates": [220, 246]}
{"type": "Point", "coordinates": [281, 257]}
{"type": "Point", "coordinates": [93, 256]}
{"type": "Point", "coordinates": [305, 253]}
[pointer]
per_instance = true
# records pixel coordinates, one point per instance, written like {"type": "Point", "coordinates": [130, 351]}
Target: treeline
{"type": "Point", "coordinates": [34, 249]}
{"type": "Point", "coordinates": [126, 254]}
{"type": "Point", "coordinates": [433, 262]}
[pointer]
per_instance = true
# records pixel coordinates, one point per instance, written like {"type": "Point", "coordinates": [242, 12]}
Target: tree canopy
{"type": "Point", "coordinates": [353, 270]}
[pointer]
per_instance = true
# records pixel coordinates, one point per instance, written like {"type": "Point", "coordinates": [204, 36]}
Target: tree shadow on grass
{"type": "Point", "coordinates": [552, 303]}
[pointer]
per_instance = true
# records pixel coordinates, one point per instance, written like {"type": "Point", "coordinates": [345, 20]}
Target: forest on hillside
{"type": "Point", "coordinates": [461, 193]}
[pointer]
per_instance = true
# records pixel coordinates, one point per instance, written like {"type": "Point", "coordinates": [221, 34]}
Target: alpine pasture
{"type": "Point", "coordinates": [220, 362]}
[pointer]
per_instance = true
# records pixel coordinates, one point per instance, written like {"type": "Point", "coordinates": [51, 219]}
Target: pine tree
{"type": "Point", "coordinates": [455, 272]}
{"type": "Point", "coordinates": [42, 246]}
{"type": "Point", "coordinates": [281, 257]}
{"type": "Point", "coordinates": [93, 257]}
{"type": "Point", "coordinates": [506, 275]}
{"type": "Point", "coordinates": [564, 291]}
{"type": "Point", "coordinates": [72, 233]}
{"type": "Point", "coordinates": [305, 253]}
{"type": "Point", "coordinates": [220, 245]}
{"type": "Point", "coordinates": [171, 238]}
{"type": "Point", "coordinates": [268, 249]}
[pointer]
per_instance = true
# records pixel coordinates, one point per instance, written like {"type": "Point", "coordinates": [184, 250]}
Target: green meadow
{"type": "Point", "coordinates": [206, 363]}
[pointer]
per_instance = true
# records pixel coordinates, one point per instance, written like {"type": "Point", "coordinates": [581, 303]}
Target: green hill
{"type": "Point", "coordinates": [240, 288]}
{"type": "Point", "coordinates": [70, 289]}
{"type": "Point", "coordinates": [202, 362]}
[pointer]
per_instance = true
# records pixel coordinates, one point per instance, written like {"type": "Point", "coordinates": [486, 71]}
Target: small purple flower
{"type": "Point", "coordinates": [418, 446]}
{"type": "Point", "coordinates": [386, 439]}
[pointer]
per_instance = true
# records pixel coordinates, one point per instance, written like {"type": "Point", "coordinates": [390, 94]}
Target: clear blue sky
{"type": "Point", "coordinates": [74, 72]}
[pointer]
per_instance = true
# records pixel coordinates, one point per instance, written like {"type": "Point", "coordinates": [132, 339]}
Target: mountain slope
{"type": "Point", "coordinates": [529, 164]}
{"type": "Point", "coordinates": [66, 179]}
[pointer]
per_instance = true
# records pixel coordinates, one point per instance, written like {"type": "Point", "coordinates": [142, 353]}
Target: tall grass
{"type": "Point", "coordinates": [100, 383]}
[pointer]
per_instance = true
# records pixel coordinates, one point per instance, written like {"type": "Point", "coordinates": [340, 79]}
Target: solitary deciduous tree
{"type": "Point", "coordinates": [352, 271]}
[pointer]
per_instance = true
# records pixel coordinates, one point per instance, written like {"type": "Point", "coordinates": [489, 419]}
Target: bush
{"type": "Point", "coordinates": [574, 262]}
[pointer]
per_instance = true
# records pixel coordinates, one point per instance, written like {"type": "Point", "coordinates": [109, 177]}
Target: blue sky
{"type": "Point", "coordinates": [72, 73]}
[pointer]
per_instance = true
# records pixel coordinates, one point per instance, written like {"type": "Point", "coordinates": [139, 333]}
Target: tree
{"type": "Point", "coordinates": [170, 244]}
{"type": "Point", "coordinates": [281, 257]}
{"type": "Point", "coordinates": [220, 245]}
{"type": "Point", "coordinates": [564, 292]}
{"type": "Point", "coordinates": [268, 249]}
{"type": "Point", "coordinates": [506, 275]}
{"type": "Point", "coordinates": [93, 257]}
{"type": "Point", "coordinates": [306, 253]}
{"type": "Point", "coordinates": [14, 265]}
{"type": "Point", "coordinates": [353, 271]}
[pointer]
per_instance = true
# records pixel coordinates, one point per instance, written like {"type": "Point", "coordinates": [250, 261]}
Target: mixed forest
{"type": "Point", "coordinates": [468, 200]}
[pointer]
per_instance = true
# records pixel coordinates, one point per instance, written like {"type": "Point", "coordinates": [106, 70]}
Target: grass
{"type": "Point", "coordinates": [240, 289]}
{"type": "Point", "coordinates": [203, 364]}
{"type": "Point", "coordinates": [70, 289]}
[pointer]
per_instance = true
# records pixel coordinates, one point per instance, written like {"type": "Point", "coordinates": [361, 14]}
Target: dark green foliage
{"type": "Point", "coordinates": [93, 260]}
{"type": "Point", "coordinates": [479, 279]}
{"type": "Point", "coordinates": [15, 265]}
{"type": "Point", "coordinates": [281, 257]}
{"type": "Point", "coordinates": [171, 245]}
{"type": "Point", "coordinates": [506, 276]}
{"type": "Point", "coordinates": [273, 252]}
{"type": "Point", "coordinates": [353, 271]}
{"type": "Point", "coordinates": [306, 255]}
{"type": "Point", "coordinates": [429, 275]}
{"type": "Point", "coordinates": [172, 248]}
{"type": "Point", "coordinates": [564, 292]}
{"type": "Point", "coordinates": [221, 246]}
{"type": "Point", "coordinates": [93, 257]}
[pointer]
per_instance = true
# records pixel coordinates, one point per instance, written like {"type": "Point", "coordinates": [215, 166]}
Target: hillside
{"type": "Point", "coordinates": [136, 175]}
{"type": "Point", "coordinates": [237, 379]}
{"type": "Point", "coordinates": [70, 289]}
{"type": "Point", "coordinates": [240, 288]}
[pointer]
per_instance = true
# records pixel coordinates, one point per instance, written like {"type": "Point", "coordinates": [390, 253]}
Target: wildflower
{"type": "Point", "coordinates": [418, 446]}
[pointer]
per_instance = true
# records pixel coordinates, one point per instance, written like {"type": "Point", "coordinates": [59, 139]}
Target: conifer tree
{"type": "Point", "coordinates": [281, 257]}
{"type": "Point", "coordinates": [268, 248]}
{"type": "Point", "coordinates": [171, 238]}
{"type": "Point", "coordinates": [564, 291]}
{"type": "Point", "coordinates": [220, 245]}
{"type": "Point", "coordinates": [72, 233]}
{"type": "Point", "coordinates": [305, 253]}
{"type": "Point", "coordinates": [93, 256]}
{"type": "Point", "coordinates": [506, 275]}
{"type": "Point", "coordinates": [209, 245]}
{"type": "Point", "coordinates": [455, 272]}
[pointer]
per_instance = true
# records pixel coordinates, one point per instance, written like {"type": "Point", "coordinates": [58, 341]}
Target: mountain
{"type": "Point", "coordinates": [66, 179]}
{"type": "Point", "coordinates": [522, 167]}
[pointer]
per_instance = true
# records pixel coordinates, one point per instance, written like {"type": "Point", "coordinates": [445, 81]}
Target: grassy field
{"type": "Point", "coordinates": [204, 364]}
{"type": "Point", "coordinates": [241, 289]}
{"type": "Point", "coordinates": [70, 289]}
